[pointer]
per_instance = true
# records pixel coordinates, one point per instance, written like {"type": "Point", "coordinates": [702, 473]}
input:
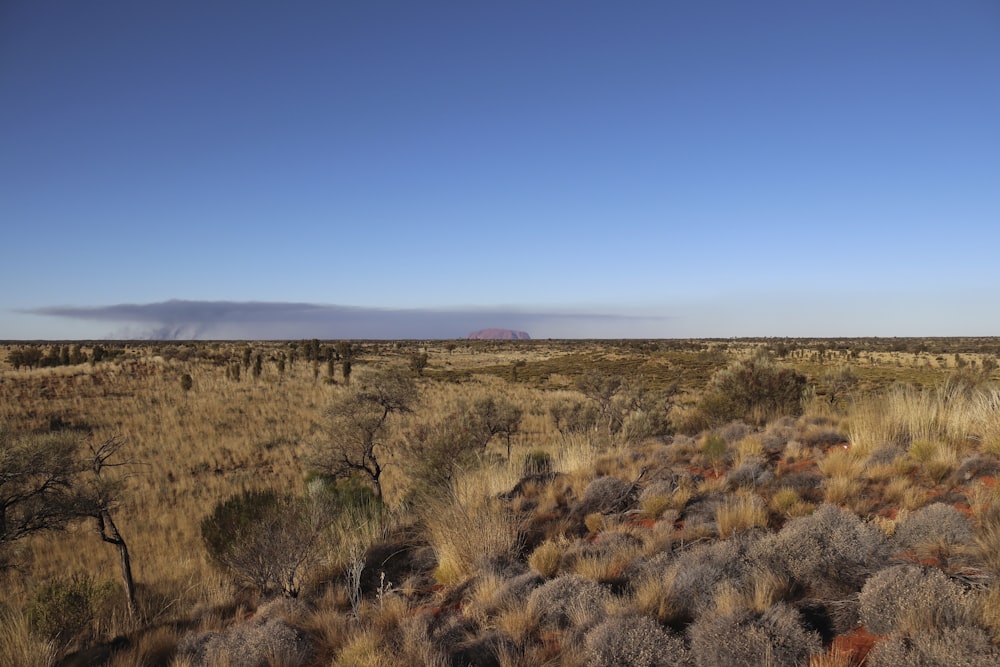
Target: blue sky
{"type": "Point", "coordinates": [574, 168]}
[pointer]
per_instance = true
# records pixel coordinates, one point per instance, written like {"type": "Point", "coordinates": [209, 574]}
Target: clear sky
{"type": "Point", "coordinates": [572, 168]}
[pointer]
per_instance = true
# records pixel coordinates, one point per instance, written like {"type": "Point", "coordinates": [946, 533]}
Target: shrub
{"type": "Point", "coordinates": [775, 638]}
{"type": "Point", "coordinates": [755, 390]}
{"type": "Point", "coordinates": [701, 572]}
{"type": "Point", "coordinates": [751, 473]}
{"type": "Point", "coordinates": [257, 643]}
{"type": "Point", "coordinates": [935, 524]}
{"type": "Point", "coordinates": [537, 462]}
{"type": "Point", "coordinates": [636, 641]}
{"type": "Point", "coordinates": [68, 608]}
{"type": "Point", "coordinates": [607, 494]}
{"type": "Point", "coordinates": [955, 647]}
{"type": "Point", "coordinates": [574, 416]}
{"type": "Point", "coordinates": [264, 540]}
{"type": "Point", "coordinates": [915, 599]}
{"type": "Point", "coordinates": [715, 449]}
{"type": "Point", "coordinates": [231, 518]}
{"type": "Point", "coordinates": [831, 551]}
{"type": "Point", "coordinates": [568, 600]}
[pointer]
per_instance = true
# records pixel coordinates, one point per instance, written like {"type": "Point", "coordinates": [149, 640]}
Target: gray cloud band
{"type": "Point", "coordinates": [178, 319]}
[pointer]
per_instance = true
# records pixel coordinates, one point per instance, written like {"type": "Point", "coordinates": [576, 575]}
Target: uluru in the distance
{"type": "Point", "coordinates": [499, 334]}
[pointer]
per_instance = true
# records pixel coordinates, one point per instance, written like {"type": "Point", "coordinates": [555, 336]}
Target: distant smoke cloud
{"type": "Point", "coordinates": [183, 320]}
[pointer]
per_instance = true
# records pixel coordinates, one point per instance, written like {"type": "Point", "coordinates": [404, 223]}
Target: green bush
{"type": "Point", "coordinates": [716, 449]}
{"type": "Point", "coordinates": [755, 390]}
{"type": "Point", "coordinates": [574, 416]}
{"type": "Point", "coordinates": [537, 462]}
{"type": "Point", "coordinates": [68, 608]}
{"type": "Point", "coordinates": [232, 518]}
{"type": "Point", "coordinates": [266, 541]}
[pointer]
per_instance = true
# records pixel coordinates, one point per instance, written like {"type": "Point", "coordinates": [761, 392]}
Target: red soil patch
{"type": "Point", "coordinates": [889, 512]}
{"type": "Point", "coordinates": [706, 473]}
{"type": "Point", "coordinates": [964, 508]}
{"type": "Point", "coordinates": [641, 522]}
{"type": "Point", "coordinates": [856, 644]}
{"type": "Point", "coordinates": [922, 559]}
{"type": "Point", "coordinates": [988, 482]}
{"type": "Point", "coordinates": [800, 465]}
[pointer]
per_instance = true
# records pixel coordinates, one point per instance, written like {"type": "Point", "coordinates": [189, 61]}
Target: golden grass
{"type": "Point", "coordinates": [739, 512]}
{"type": "Point", "coordinates": [840, 462]}
{"type": "Point", "coordinates": [465, 533]}
{"type": "Point", "coordinates": [19, 647]}
{"type": "Point", "coordinates": [841, 490]}
{"type": "Point", "coordinates": [222, 437]}
{"type": "Point", "coordinates": [546, 557]}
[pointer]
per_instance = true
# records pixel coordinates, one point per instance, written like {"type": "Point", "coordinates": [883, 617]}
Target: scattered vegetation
{"type": "Point", "coordinates": [773, 502]}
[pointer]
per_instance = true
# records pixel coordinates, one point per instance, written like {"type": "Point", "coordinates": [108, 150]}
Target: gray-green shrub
{"type": "Point", "coordinates": [913, 598]}
{"type": "Point", "coordinates": [832, 551]}
{"type": "Point", "coordinates": [256, 643]}
{"type": "Point", "coordinates": [634, 641]}
{"type": "Point", "coordinates": [954, 647]}
{"type": "Point", "coordinates": [934, 524]}
{"type": "Point", "coordinates": [568, 600]}
{"type": "Point", "coordinates": [775, 638]}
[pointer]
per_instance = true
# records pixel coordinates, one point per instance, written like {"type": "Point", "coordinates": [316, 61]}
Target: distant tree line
{"type": "Point", "coordinates": [42, 356]}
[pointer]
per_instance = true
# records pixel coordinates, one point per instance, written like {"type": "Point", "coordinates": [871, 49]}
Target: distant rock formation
{"type": "Point", "coordinates": [499, 334]}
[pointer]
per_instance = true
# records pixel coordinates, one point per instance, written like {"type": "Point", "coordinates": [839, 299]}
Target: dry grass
{"type": "Point", "coordinates": [739, 512]}
{"type": "Point", "coordinates": [223, 437]}
{"type": "Point", "coordinates": [464, 534]}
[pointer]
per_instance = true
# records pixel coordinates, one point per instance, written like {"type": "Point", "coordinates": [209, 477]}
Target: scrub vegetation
{"type": "Point", "coordinates": [510, 503]}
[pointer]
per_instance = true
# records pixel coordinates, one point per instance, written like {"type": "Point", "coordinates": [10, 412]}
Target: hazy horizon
{"type": "Point", "coordinates": [574, 169]}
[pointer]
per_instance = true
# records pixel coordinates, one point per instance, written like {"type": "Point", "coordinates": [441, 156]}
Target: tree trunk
{"type": "Point", "coordinates": [110, 534]}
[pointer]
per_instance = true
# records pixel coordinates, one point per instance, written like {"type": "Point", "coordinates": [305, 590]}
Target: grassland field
{"type": "Point", "coordinates": [892, 447]}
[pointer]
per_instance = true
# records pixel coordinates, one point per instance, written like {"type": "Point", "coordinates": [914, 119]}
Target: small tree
{"type": "Point", "coordinates": [496, 417]}
{"type": "Point", "coordinates": [358, 426]}
{"type": "Point", "coordinates": [418, 362]}
{"type": "Point", "coordinates": [186, 382]}
{"type": "Point", "coordinates": [433, 450]}
{"type": "Point", "coordinates": [603, 389]}
{"type": "Point", "coordinates": [97, 355]}
{"type": "Point", "coordinates": [100, 496]}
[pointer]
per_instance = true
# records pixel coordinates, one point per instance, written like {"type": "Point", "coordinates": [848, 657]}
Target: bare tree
{"type": "Point", "coordinates": [100, 495]}
{"type": "Point", "coordinates": [358, 421]}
